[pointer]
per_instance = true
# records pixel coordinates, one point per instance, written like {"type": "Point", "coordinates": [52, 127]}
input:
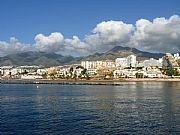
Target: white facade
{"type": "Point", "coordinates": [31, 77]}
{"type": "Point", "coordinates": [152, 63]}
{"type": "Point", "coordinates": [131, 61]}
{"type": "Point", "coordinates": [89, 64]}
{"type": "Point", "coordinates": [118, 73]}
{"type": "Point", "coordinates": [42, 71]}
{"type": "Point", "coordinates": [91, 72]}
{"type": "Point", "coordinates": [6, 70]}
{"type": "Point", "coordinates": [131, 73]}
{"type": "Point", "coordinates": [153, 74]}
{"type": "Point", "coordinates": [176, 56]}
{"type": "Point", "coordinates": [121, 62]}
{"type": "Point", "coordinates": [97, 64]}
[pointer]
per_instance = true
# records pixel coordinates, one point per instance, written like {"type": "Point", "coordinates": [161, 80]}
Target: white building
{"type": "Point", "coordinates": [91, 72]}
{"type": "Point", "coordinates": [152, 63]}
{"type": "Point", "coordinates": [131, 61]}
{"type": "Point", "coordinates": [153, 73]}
{"type": "Point", "coordinates": [6, 70]}
{"type": "Point", "coordinates": [176, 56]}
{"type": "Point", "coordinates": [31, 77]}
{"type": "Point", "coordinates": [121, 62]}
{"type": "Point", "coordinates": [118, 73]}
{"type": "Point", "coordinates": [130, 73]}
{"type": "Point", "coordinates": [89, 64]}
{"type": "Point", "coordinates": [97, 64]}
{"type": "Point", "coordinates": [42, 71]}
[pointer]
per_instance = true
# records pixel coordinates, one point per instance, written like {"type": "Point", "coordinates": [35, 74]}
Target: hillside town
{"type": "Point", "coordinates": [166, 67]}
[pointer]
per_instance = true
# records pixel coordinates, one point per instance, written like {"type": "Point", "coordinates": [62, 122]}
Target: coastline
{"type": "Point", "coordinates": [117, 82]}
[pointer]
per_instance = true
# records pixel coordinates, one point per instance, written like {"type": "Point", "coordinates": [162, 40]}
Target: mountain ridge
{"type": "Point", "coordinates": [119, 51]}
{"type": "Point", "coordinates": [53, 59]}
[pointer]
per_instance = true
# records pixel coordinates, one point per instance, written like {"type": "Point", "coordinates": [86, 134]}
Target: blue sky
{"type": "Point", "coordinates": [83, 27]}
{"type": "Point", "coordinates": [26, 18]}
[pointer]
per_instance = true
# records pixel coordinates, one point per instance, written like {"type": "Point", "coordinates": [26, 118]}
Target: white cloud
{"type": "Point", "coordinates": [159, 35]}
{"type": "Point", "coordinates": [51, 43]}
{"type": "Point", "coordinates": [108, 34]}
{"type": "Point", "coordinates": [75, 47]}
{"type": "Point", "coordinates": [75, 43]}
{"type": "Point", "coordinates": [13, 46]}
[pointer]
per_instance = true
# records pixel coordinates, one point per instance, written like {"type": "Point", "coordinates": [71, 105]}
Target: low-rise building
{"type": "Point", "coordinates": [31, 77]}
{"type": "Point", "coordinates": [130, 61]}
{"type": "Point", "coordinates": [91, 71]}
{"type": "Point", "coordinates": [97, 64]}
{"type": "Point", "coordinates": [152, 63]}
{"type": "Point", "coordinates": [176, 56]}
{"type": "Point", "coordinates": [121, 62]}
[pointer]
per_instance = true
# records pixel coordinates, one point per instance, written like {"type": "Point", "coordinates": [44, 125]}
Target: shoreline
{"type": "Point", "coordinates": [117, 82]}
{"type": "Point", "coordinates": [108, 80]}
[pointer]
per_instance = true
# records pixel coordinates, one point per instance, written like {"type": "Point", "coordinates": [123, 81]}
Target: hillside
{"type": "Point", "coordinates": [35, 58]}
{"type": "Point", "coordinates": [119, 51]}
{"type": "Point", "coordinates": [53, 59]}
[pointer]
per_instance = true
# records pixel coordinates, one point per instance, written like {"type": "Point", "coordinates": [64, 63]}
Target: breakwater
{"type": "Point", "coordinates": [62, 82]}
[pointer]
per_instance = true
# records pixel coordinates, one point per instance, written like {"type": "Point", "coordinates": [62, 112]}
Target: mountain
{"type": "Point", "coordinates": [53, 59]}
{"type": "Point", "coordinates": [119, 51]}
{"type": "Point", "coordinates": [36, 58]}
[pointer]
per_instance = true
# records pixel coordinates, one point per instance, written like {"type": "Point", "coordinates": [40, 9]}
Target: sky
{"type": "Point", "coordinates": [82, 27]}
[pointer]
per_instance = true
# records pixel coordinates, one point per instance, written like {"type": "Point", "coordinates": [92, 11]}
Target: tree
{"type": "Point", "coordinates": [169, 72]}
{"type": "Point", "coordinates": [139, 75]}
{"type": "Point", "coordinates": [75, 75]}
{"type": "Point", "coordinates": [83, 72]}
{"type": "Point", "coordinates": [52, 75]}
{"type": "Point", "coordinates": [44, 76]}
{"type": "Point", "coordinates": [71, 71]}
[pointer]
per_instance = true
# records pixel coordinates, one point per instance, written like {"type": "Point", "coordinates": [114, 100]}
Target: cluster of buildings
{"type": "Point", "coordinates": [127, 67]}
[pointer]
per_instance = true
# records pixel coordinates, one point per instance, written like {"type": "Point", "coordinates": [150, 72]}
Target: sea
{"type": "Point", "coordinates": [132, 108]}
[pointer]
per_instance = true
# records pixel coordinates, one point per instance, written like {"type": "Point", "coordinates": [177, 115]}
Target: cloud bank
{"type": "Point", "coordinates": [50, 43]}
{"type": "Point", "coordinates": [108, 34]}
{"type": "Point", "coordinates": [159, 35]}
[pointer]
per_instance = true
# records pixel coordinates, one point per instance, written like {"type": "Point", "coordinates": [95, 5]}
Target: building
{"type": "Point", "coordinates": [89, 64]}
{"type": "Point", "coordinates": [6, 70]}
{"type": "Point", "coordinates": [153, 73]}
{"type": "Point", "coordinates": [91, 72]}
{"type": "Point", "coordinates": [131, 61]}
{"type": "Point", "coordinates": [176, 56]}
{"type": "Point", "coordinates": [169, 62]}
{"type": "Point", "coordinates": [42, 71]}
{"type": "Point", "coordinates": [121, 62]}
{"type": "Point", "coordinates": [152, 63]}
{"type": "Point", "coordinates": [31, 77]}
{"type": "Point", "coordinates": [97, 64]}
{"type": "Point", "coordinates": [118, 73]}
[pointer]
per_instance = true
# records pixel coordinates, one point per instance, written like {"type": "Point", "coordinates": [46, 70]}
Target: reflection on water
{"type": "Point", "coordinates": [133, 108]}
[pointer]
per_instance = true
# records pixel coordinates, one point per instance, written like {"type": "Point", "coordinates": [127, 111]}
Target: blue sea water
{"type": "Point", "coordinates": [151, 108]}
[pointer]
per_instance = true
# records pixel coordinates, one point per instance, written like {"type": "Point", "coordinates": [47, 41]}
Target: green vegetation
{"type": "Point", "coordinates": [139, 75]}
{"type": "Point", "coordinates": [138, 68]}
{"type": "Point", "coordinates": [170, 72]}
